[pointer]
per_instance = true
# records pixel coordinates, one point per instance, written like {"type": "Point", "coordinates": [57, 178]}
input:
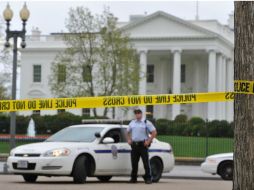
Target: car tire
{"type": "Point", "coordinates": [225, 170]}
{"type": "Point", "coordinates": [79, 173]}
{"type": "Point", "coordinates": [30, 178]}
{"type": "Point", "coordinates": [156, 169]}
{"type": "Point", "coordinates": [104, 178]}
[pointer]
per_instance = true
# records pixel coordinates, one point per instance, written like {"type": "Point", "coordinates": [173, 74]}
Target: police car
{"type": "Point", "coordinates": [86, 150]}
{"type": "Point", "coordinates": [221, 164]}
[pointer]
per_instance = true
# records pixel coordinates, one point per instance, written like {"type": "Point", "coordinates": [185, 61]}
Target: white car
{"type": "Point", "coordinates": [221, 164]}
{"type": "Point", "coordinates": [86, 150]}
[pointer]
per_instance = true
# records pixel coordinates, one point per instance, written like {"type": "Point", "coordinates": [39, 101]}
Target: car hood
{"type": "Point", "coordinates": [224, 155]}
{"type": "Point", "coordinates": [46, 146]}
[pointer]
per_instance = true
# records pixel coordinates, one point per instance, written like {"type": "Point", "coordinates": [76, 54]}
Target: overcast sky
{"type": "Point", "coordinates": [49, 16]}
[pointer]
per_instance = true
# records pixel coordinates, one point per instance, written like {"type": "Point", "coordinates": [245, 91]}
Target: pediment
{"type": "Point", "coordinates": [161, 24]}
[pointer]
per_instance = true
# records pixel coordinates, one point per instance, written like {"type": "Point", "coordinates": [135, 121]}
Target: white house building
{"type": "Point", "coordinates": [178, 56]}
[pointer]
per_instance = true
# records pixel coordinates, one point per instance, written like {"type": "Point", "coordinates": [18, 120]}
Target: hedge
{"type": "Point", "coordinates": [46, 124]}
{"type": "Point", "coordinates": [195, 127]}
{"type": "Point", "coordinates": [181, 126]}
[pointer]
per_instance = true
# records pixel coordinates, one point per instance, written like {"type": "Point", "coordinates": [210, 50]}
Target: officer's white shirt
{"type": "Point", "coordinates": [140, 130]}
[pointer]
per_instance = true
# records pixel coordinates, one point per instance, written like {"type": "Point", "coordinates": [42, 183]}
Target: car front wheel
{"type": "Point", "coordinates": [30, 178]}
{"type": "Point", "coordinates": [156, 168]}
{"type": "Point", "coordinates": [104, 178]}
{"type": "Point", "coordinates": [79, 171]}
{"type": "Point", "coordinates": [226, 171]}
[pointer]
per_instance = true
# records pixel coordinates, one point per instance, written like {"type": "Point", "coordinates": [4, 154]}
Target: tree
{"type": "Point", "coordinates": [99, 59]}
{"type": "Point", "coordinates": [244, 104]}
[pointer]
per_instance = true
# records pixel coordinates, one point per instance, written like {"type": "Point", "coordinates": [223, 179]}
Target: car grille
{"type": "Point", "coordinates": [27, 155]}
{"type": "Point", "coordinates": [31, 166]}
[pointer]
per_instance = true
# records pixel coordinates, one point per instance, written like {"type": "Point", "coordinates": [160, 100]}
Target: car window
{"type": "Point", "coordinates": [117, 134]}
{"type": "Point", "coordinates": [75, 134]}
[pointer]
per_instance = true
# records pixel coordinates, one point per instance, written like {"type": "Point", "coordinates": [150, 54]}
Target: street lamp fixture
{"type": "Point", "coordinates": [15, 34]}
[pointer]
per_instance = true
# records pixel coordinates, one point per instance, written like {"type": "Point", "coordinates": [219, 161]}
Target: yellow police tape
{"type": "Point", "coordinates": [240, 86]}
{"type": "Point", "coordinates": [244, 87]}
{"type": "Point", "coordinates": [112, 101]}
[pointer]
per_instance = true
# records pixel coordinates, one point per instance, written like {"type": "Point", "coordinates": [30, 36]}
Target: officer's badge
{"type": "Point", "coordinates": [114, 151]}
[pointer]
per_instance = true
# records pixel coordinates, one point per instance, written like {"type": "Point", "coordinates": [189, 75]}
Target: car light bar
{"type": "Point", "coordinates": [101, 121]}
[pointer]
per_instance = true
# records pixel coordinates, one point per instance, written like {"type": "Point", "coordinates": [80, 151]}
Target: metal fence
{"type": "Point", "coordinates": [183, 146]}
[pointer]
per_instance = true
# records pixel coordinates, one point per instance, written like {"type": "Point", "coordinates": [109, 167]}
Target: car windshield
{"type": "Point", "coordinates": [75, 134]}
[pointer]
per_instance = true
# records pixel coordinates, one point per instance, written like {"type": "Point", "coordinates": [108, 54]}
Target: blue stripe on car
{"type": "Point", "coordinates": [128, 151]}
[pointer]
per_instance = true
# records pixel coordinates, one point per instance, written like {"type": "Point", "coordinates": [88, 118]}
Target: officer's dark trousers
{"type": "Point", "coordinates": [137, 152]}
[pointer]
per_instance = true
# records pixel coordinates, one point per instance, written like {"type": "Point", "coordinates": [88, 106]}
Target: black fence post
{"type": "Point", "coordinates": [207, 137]}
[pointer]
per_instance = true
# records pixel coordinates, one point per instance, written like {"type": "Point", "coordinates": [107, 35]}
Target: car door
{"type": "Point", "coordinates": [112, 158]}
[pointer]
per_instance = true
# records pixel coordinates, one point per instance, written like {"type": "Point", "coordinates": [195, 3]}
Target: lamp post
{"type": "Point", "coordinates": [15, 34]}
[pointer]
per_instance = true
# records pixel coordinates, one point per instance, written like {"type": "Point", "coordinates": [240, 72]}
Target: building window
{"type": "Point", "coordinates": [60, 111]}
{"type": "Point", "coordinates": [183, 73]}
{"type": "Point", "coordinates": [61, 75]}
{"type": "Point", "coordinates": [86, 112]}
{"type": "Point", "coordinates": [86, 73]}
{"type": "Point", "coordinates": [149, 111]}
{"type": "Point", "coordinates": [150, 73]}
{"type": "Point", "coordinates": [36, 112]}
{"type": "Point", "coordinates": [37, 73]}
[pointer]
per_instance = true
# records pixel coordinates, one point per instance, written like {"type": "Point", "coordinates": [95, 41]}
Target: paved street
{"type": "Point", "coordinates": [182, 177]}
{"type": "Point", "coordinates": [179, 172]}
{"type": "Point", "coordinates": [192, 172]}
{"type": "Point", "coordinates": [12, 182]}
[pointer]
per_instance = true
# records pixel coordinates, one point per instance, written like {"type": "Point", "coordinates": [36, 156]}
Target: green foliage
{"type": "Point", "coordinates": [181, 118]}
{"type": "Point", "coordinates": [194, 127]}
{"type": "Point", "coordinates": [47, 124]}
{"type": "Point", "coordinates": [162, 125]}
{"type": "Point", "coordinates": [99, 59]}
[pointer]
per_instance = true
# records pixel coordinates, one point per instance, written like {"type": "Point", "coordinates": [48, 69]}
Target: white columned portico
{"type": "Point", "coordinates": [142, 76]}
{"type": "Point", "coordinates": [176, 89]}
{"type": "Point", "coordinates": [230, 88]}
{"type": "Point", "coordinates": [211, 82]}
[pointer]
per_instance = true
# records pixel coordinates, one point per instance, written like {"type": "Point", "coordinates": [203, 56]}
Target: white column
{"type": "Point", "coordinates": [162, 109]}
{"type": "Point", "coordinates": [176, 89]}
{"type": "Point", "coordinates": [223, 87]}
{"type": "Point", "coordinates": [230, 88]}
{"type": "Point", "coordinates": [211, 82]}
{"type": "Point", "coordinates": [196, 108]}
{"type": "Point", "coordinates": [142, 76]}
{"type": "Point", "coordinates": [221, 108]}
{"type": "Point", "coordinates": [218, 81]}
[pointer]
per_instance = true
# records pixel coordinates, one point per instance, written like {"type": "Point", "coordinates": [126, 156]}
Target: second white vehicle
{"type": "Point", "coordinates": [94, 150]}
{"type": "Point", "coordinates": [221, 164]}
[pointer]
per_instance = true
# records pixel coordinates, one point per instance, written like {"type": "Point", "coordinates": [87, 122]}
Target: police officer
{"type": "Point", "coordinates": [139, 139]}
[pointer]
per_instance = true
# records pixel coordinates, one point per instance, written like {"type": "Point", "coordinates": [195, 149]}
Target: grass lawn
{"type": "Point", "coordinates": [196, 146]}
{"type": "Point", "coordinates": [182, 146]}
{"type": "Point", "coordinates": [5, 146]}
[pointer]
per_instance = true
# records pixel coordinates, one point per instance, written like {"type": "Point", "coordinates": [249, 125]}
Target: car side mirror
{"type": "Point", "coordinates": [108, 140]}
{"type": "Point", "coordinates": [97, 135]}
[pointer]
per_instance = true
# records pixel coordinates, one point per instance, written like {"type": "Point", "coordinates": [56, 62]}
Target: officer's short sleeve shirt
{"type": "Point", "coordinates": [140, 129]}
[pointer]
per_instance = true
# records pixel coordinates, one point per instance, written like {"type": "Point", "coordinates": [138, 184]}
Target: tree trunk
{"type": "Point", "coordinates": [95, 112]}
{"type": "Point", "coordinates": [114, 112]}
{"type": "Point", "coordinates": [105, 112]}
{"type": "Point", "coordinates": [244, 104]}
